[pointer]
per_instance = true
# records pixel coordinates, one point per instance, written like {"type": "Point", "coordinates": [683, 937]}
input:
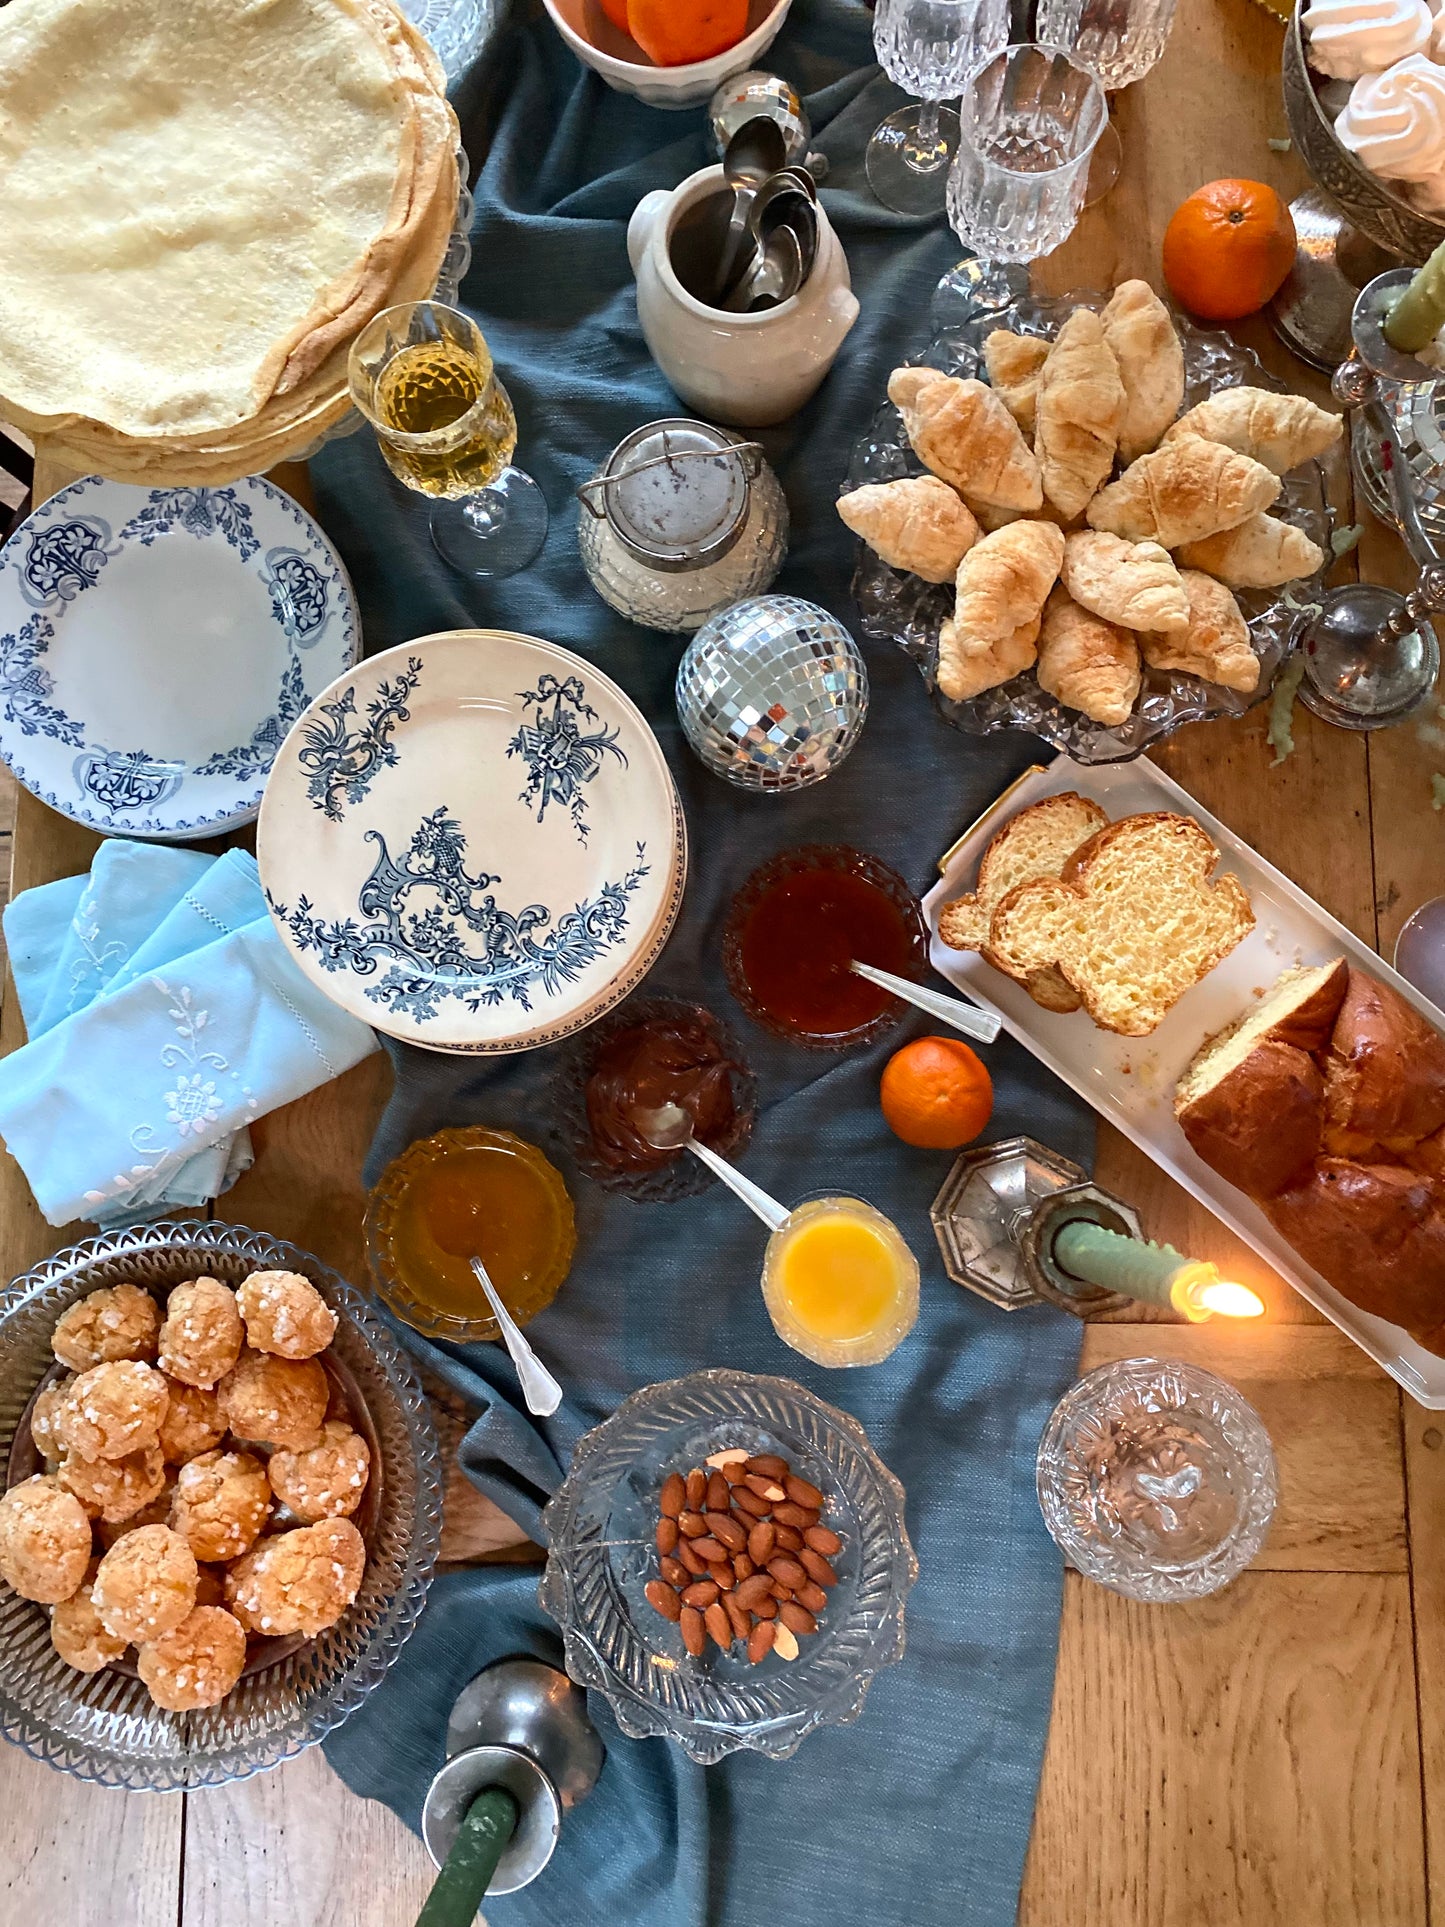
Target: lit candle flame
{"type": "Point", "coordinates": [1199, 1292]}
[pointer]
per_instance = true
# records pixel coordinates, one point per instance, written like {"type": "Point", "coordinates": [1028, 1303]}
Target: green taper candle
{"type": "Point", "coordinates": [1117, 1262]}
{"type": "Point", "coordinates": [481, 1840]}
{"type": "Point", "coordinates": [1419, 315]}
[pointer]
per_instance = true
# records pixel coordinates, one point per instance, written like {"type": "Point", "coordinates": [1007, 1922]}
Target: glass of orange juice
{"type": "Point", "coordinates": [839, 1282]}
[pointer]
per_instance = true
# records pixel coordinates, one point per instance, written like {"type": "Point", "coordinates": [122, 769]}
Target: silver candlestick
{"type": "Point", "coordinates": [1370, 654]}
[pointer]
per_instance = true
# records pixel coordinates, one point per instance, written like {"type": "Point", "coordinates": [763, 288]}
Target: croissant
{"type": "Point", "coordinates": [1004, 578]}
{"type": "Point", "coordinates": [1260, 554]}
{"type": "Point", "coordinates": [1013, 363]}
{"type": "Point", "coordinates": [1133, 584]}
{"type": "Point", "coordinates": [1216, 644]}
{"type": "Point", "coordinates": [918, 524]}
{"type": "Point", "coordinates": [1079, 407]}
{"type": "Point", "coordinates": [1278, 430]}
{"type": "Point", "coordinates": [966, 668]}
{"type": "Point", "coordinates": [1088, 663]}
{"type": "Point", "coordinates": [989, 519]}
{"type": "Point", "coordinates": [963, 432]}
{"type": "Point", "coordinates": [1182, 492]}
{"type": "Point", "coordinates": [1151, 365]}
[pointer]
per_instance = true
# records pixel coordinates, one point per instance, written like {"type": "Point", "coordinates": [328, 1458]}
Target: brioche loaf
{"type": "Point", "coordinates": [1252, 1101]}
{"type": "Point", "coordinates": [1384, 1075]}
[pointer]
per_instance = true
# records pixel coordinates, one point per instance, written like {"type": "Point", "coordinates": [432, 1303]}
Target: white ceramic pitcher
{"type": "Point", "coordinates": [746, 370]}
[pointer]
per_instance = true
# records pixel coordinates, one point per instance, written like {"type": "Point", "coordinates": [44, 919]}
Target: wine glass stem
{"type": "Point", "coordinates": [925, 153]}
{"type": "Point", "coordinates": [484, 511]}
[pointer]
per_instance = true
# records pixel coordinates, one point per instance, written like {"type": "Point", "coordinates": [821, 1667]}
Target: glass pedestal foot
{"type": "Point", "coordinates": [908, 159]}
{"type": "Point", "coordinates": [496, 532]}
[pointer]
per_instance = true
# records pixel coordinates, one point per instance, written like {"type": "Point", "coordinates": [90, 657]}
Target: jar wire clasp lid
{"type": "Point", "coordinates": [666, 517]}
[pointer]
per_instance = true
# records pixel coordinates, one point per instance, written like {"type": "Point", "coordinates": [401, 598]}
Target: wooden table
{"type": "Point", "coordinates": [1275, 1755]}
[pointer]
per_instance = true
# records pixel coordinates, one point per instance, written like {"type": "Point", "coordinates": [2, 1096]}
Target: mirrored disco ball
{"type": "Point", "coordinates": [772, 693]}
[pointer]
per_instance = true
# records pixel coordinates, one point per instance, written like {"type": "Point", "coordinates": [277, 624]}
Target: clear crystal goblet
{"type": "Point", "coordinates": [929, 48]}
{"type": "Point", "coordinates": [1030, 120]}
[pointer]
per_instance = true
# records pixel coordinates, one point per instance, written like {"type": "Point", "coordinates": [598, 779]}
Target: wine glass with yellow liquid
{"type": "Point", "coordinates": [422, 375]}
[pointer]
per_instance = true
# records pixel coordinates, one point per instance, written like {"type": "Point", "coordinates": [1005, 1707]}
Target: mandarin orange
{"type": "Point", "coordinates": [1228, 248]}
{"type": "Point", "coordinates": [674, 33]}
{"type": "Point", "coordinates": [936, 1094]}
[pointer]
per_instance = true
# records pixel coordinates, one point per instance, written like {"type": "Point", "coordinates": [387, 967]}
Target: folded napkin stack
{"type": "Point", "coordinates": [162, 1014]}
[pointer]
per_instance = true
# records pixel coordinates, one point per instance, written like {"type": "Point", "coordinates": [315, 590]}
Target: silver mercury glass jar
{"type": "Point", "coordinates": [682, 520]}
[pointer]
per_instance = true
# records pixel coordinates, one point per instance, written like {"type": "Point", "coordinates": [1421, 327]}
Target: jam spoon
{"type": "Point", "coordinates": [979, 1024]}
{"type": "Point", "coordinates": [541, 1391]}
{"type": "Point", "coordinates": [669, 1128]}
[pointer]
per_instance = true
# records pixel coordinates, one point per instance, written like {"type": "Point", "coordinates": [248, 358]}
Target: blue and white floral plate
{"type": "Point", "coordinates": [473, 842]}
{"type": "Point", "coordinates": [156, 644]}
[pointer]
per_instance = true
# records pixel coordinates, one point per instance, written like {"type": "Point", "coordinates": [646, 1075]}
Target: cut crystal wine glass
{"type": "Point", "coordinates": [929, 48]}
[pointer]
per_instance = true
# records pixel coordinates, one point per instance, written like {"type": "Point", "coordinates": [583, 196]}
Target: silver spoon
{"type": "Point", "coordinates": [669, 1128]}
{"type": "Point", "coordinates": [773, 277]}
{"type": "Point", "coordinates": [755, 152]}
{"type": "Point", "coordinates": [979, 1024]}
{"type": "Point", "coordinates": [541, 1391]}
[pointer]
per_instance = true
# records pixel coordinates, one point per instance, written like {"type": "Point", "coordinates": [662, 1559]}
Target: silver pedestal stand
{"type": "Point", "coordinates": [1370, 654]}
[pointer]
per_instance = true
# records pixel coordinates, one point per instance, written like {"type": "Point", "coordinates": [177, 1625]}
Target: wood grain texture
{"type": "Point", "coordinates": [1424, 1441]}
{"type": "Point", "coordinates": [1247, 1761]}
{"type": "Point", "coordinates": [76, 1855]}
{"type": "Point", "coordinates": [297, 1848]}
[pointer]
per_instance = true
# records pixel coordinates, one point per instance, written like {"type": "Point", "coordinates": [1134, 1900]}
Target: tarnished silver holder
{"type": "Point", "coordinates": [1371, 656]}
{"type": "Point", "coordinates": [523, 1726]}
{"type": "Point", "coordinates": [599, 496]}
{"type": "Point", "coordinates": [997, 1216]}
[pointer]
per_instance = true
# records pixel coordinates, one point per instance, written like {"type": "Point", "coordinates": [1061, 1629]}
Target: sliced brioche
{"type": "Point", "coordinates": [1134, 922]}
{"type": "Point", "coordinates": [1035, 843]}
{"type": "Point", "coordinates": [1384, 1075]}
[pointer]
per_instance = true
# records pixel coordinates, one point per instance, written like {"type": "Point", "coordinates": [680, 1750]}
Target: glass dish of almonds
{"type": "Point", "coordinates": [760, 1612]}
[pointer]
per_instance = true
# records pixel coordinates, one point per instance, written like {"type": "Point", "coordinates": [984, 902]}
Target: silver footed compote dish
{"type": "Point", "coordinates": [603, 1558]}
{"type": "Point", "coordinates": [902, 608]}
{"type": "Point", "coordinates": [104, 1725]}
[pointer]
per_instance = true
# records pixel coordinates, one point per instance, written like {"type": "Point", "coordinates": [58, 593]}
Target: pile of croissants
{"type": "Point", "coordinates": [1061, 566]}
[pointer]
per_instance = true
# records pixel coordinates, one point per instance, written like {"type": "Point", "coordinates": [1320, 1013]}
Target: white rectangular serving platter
{"type": "Point", "coordinates": [1130, 1080]}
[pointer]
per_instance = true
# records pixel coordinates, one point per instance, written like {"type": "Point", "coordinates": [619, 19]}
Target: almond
{"type": "Point", "coordinates": [794, 1515]}
{"type": "Point", "coordinates": [801, 1493]}
{"type": "Point", "coordinates": [789, 1539]}
{"type": "Point", "coordinates": [771, 1468]}
{"type": "Point", "coordinates": [743, 1567]}
{"type": "Point", "coordinates": [722, 1575]}
{"type": "Point", "coordinates": [666, 1535]}
{"type": "Point", "coordinates": [726, 1530]}
{"type": "Point", "coordinates": [762, 1543]}
{"type": "Point", "coordinates": [696, 1566]}
{"type": "Point", "coordinates": [797, 1618]}
{"type": "Point", "coordinates": [691, 1524]}
{"type": "Point", "coordinates": [734, 1472]}
{"type": "Point", "coordinates": [766, 1608]}
{"type": "Point", "coordinates": [785, 1643]}
{"type": "Point", "coordinates": [767, 1489]}
{"type": "Point", "coordinates": [719, 1626]}
{"type": "Point", "coordinates": [701, 1593]}
{"type": "Point", "coordinates": [694, 1633]}
{"type": "Point", "coordinates": [709, 1549]}
{"type": "Point", "coordinates": [696, 1489]}
{"type": "Point", "coordinates": [720, 1461]}
{"type": "Point", "coordinates": [811, 1596]}
{"type": "Point", "coordinates": [760, 1641]}
{"type": "Point", "coordinates": [752, 1590]}
{"type": "Point", "coordinates": [663, 1599]}
{"type": "Point", "coordinates": [749, 1501]}
{"type": "Point", "coordinates": [718, 1494]}
{"type": "Point", "coordinates": [817, 1567]}
{"type": "Point", "coordinates": [674, 1496]}
{"type": "Point", "coordinates": [789, 1571]}
{"type": "Point", "coordinates": [741, 1622]}
{"type": "Point", "coordinates": [822, 1540]}
{"type": "Point", "coordinates": [675, 1572]}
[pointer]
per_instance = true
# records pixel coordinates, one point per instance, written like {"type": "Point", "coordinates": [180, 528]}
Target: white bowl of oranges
{"type": "Point", "coordinates": [669, 53]}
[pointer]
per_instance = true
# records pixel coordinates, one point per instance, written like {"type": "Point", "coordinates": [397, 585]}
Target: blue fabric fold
{"type": "Point", "coordinates": [920, 1812]}
{"type": "Point", "coordinates": [163, 1015]}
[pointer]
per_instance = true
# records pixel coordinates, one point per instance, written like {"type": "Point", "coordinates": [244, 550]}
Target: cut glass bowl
{"type": "Point", "coordinates": [904, 609]}
{"type": "Point", "coordinates": [601, 1554]}
{"type": "Point", "coordinates": [104, 1726]}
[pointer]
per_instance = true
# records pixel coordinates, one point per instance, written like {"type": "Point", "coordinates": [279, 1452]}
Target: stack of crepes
{"type": "Point", "coordinates": [204, 202]}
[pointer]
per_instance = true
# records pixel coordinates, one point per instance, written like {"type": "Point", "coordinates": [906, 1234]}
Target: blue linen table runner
{"type": "Point", "coordinates": [920, 1812]}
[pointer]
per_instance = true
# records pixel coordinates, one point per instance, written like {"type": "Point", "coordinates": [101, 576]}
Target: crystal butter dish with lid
{"type": "Point", "coordinates": [682, 520]}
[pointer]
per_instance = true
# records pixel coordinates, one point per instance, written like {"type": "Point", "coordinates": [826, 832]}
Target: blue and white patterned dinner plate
{"type": "Point", "coordinates": [473, 843]}
{"type": "Point", "coordinates": [156, 644]}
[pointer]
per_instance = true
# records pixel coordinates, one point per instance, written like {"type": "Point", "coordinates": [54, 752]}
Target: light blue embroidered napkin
{"type": "Point", "coordinates": [163, 1014]}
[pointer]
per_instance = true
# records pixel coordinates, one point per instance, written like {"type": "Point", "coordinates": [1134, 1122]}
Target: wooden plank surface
{"type": "Point", "coordinates": [1260, 1758]}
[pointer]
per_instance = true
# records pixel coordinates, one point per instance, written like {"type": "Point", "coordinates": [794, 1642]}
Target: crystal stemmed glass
{"type": "Point", "coordinates": [1029, 120]}
{"type": "Point", "coordinates": [929, 48]}
{"type": "Point", "coordinates": [422, 375]}
{"type": "Point", "coordinates": [1120, 41]}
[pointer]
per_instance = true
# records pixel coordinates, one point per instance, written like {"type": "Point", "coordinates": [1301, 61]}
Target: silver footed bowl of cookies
{"type": "Point", "coordinates": [1085, 518]}
{"type": "Point", "coordinates": [221, 1505]}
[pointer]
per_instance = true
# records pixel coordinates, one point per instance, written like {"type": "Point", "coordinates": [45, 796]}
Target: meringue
{"type": "Point", "coordinates": [1348, 38]}
{"type": "Point", "coordinates": [1395, 121]}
